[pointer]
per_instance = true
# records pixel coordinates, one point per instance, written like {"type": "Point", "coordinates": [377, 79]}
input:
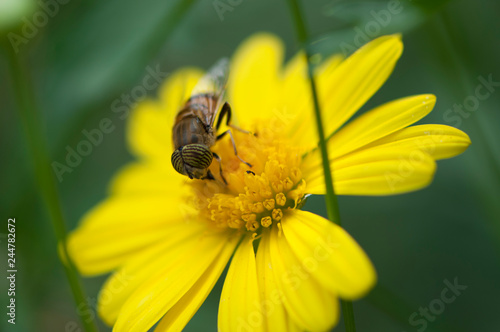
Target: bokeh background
{"type": "Point", "coordinates": [88, 53]}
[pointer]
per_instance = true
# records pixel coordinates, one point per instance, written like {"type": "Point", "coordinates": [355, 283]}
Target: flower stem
{"type": "Point", "coordinates": [348, 313]}
{"type": "Point", "coordinates": [331, 199]}
{"type": "Point", "coordinates": [26, 107]}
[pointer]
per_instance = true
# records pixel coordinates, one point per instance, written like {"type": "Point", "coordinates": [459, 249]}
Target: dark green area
{"type": "Point", "coordinates": [91, 52]}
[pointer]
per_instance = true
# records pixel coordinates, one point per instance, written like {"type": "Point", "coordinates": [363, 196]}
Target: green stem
{"type": "Point", "coordinates": [348, 312]}
{"type": "Point", "coordinates": [331, 199]}
{"type": "Point", "coordinates": [26, 107]}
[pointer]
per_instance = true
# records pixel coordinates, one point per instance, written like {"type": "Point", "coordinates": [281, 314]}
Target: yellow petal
{"type": "Point", "coordinates": [253, 80]}
{"type": "Point", "coordinates": [176, 272]}
{"type": "Point", "coordinates": [142, 266]}
{"type": "Point", "coordinates": [298, 98]}
{"type": "Point", "coordinates": [120, 227]}
{"type": "Point", "coordinates": [240, 305]}
{"type": "Point", "coordinates": [295, 111]}
{"type": "Point", "coordinates": [310, 306]}
{"type": "Point", "coordinates": [149, 131]}
{"type": "Point", "coordinates": [150, 125]}
{"type": "Point", "coordinates": [177, 89]}
{"type": "Point", "coordinates": [324, 71]}
{"type": "Point", "coordinates": [329, 254]}
{"type": "Point", "coordinates": [439, 141]}
{"type": "Point", "coordinates": [275, 315]}
{"type": "Point", "coordinates": [379, 122]}
{"type": "Point", "coordinates": [357, 79]}
{"type": "Point", "coordinates": [378, 172]}
{"type": "Point", "coordinates": [180, 314]}
{"type": "Point", "coordinates": [150, 178]}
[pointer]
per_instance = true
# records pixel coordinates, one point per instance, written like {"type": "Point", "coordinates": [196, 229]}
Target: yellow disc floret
{"type": "Point", "coordinates": [256, 197]}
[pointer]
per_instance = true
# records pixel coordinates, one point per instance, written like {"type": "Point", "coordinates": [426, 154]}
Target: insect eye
{"type": "Point", "coordinates": [197, 156]}
{"type": "Point", "coordinates": [177, 161]}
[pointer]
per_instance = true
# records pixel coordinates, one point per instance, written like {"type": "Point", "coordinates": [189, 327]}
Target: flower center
{"type": "Point", "coordinates": [256, 197]}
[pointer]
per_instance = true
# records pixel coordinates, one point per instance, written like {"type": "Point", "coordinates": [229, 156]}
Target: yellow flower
{"type": "Point", "coordinates": [168, 238]}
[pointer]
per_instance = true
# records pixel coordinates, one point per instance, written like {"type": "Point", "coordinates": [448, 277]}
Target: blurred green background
{"type": "Point", "coordinates": [88, 53]}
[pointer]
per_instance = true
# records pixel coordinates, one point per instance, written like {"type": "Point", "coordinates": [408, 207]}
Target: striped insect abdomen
{"type": "Point", "coordinates": [192, 123]}
{"type": "Point", "coordinates": [189, 130]}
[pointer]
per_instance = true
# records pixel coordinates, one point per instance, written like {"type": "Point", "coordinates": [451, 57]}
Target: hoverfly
{"type": "Point", "coordinates": [193, 131]}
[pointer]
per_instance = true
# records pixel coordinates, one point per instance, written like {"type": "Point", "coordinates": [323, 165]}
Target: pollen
{"type": "Point", "coordinates": [277, 214]}
{"type": "Point", "coordinates": [255, 198]}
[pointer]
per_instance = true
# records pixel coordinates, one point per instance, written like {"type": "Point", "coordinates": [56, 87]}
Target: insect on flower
{"type": "Point", "coordinates": [193, 132]}
{"type": "Point", "coordinates": [171, 239]}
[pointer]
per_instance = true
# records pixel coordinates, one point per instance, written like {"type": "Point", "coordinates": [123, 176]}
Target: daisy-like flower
{"type": "Point", "coordinates": [168, 239]}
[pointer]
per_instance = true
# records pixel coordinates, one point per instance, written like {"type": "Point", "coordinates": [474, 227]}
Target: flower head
{"type": "Point", "coordinates": [168, 238]}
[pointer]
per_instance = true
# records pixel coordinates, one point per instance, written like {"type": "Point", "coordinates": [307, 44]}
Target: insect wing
{"type": "Point", "coordinates": [211, 87]}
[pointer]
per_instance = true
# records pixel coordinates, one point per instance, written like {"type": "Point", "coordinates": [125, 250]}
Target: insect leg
{"type": "Point", "coordinates": [226, 109]}
{"type": "Point", "coordinates": [209, 176]}
{"type": "Point", "coordinates": [221, 135]}
{"type": "Point", "coordinates": [239, 129]}
{"type": "Point", "coordinates": [216, 156]}
{"type": "Point", "coordinates": [234, 145]}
